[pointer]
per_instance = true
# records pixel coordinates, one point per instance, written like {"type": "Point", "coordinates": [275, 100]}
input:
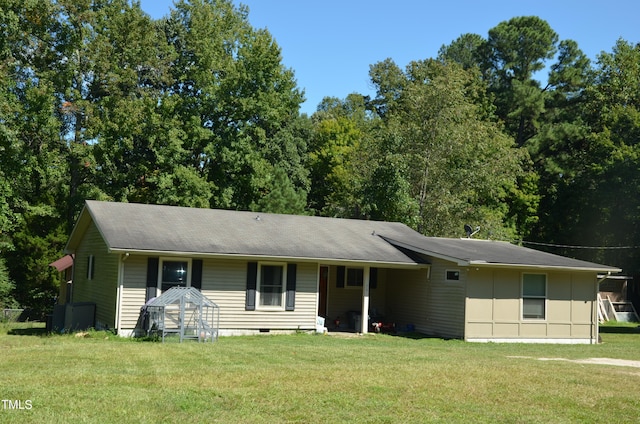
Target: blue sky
{"type": "Point", "coordinates": [330, 44]}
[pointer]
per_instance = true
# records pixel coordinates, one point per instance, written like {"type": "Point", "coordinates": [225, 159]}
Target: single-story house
{"type": "Point", "coordinates": [272, 273]}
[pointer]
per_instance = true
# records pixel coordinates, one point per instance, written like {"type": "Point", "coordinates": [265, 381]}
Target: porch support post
{"type": "Point", "coordinates": [364, 318]}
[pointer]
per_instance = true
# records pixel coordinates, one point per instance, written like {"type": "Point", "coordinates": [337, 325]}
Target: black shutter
{"type": "Point", "coordinates": [152, 272]}
{"type": "Point", "coordinates": [252, 276]}
{"type": "Point", "coordinates": [196, 273]}
{"type": "Point", "coordinates": [373, 278]}
{"type": "Point", "coordinates": [152, 278]}
{"type": "Point", "coordinates": [290, 302]}
{"type": "Point", "coordinates": [340, 277]}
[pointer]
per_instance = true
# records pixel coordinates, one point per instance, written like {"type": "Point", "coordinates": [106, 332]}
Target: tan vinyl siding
{"type": "Point", "coordinates": [134, 290]}
{"type": "Point", "coordinates": [344, 300]}
{"type": "Point", "coordinates": [446, 301]}
{"type": "Point", "coordinates": [494, 306]}
{"type": "Point", "coordinates": [407, 296]}
{"type": "Point", "coordinates": [378, 296]}
{"type": "Point", "coordinates": [224, 282]}
{"type": "Point", "coordinates": [102, 288]}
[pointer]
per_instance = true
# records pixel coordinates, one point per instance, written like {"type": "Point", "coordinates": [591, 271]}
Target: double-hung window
{"type": "Point", "coordinates": [271, 288]}
{"type": "Point", "coordinates": [534, 296]}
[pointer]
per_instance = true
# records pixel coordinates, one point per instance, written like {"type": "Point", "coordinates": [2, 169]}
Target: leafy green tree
{"type": "Point", "coordinates": [458, 166]}
{"type": "Point", "coordinates": [544, 117]}
{"type": "Point", "coordinates": [31, 161]}
{"type": "Point", "coordinates": [387, 194]}
{"type": "Point", "coordinates": [389, 81]}
{"type": "Point", "coordinates": [330, 156]}
{"type": "Point", "coordinates": [515, 50]}
{"type": "Point", "coordinates": [7, 288]}
{"type": "Point", "coordinates": [140, 151]}
{"type": "Point", "coordinates": [466, 51]}
{"type": "Point", "coordinates": [236, 97]}
{"type": "Point", "coordinates": [38, 241]}
{"type": "Point", "coordinates": [99, 101]}
{"type": "Point", "coordinates": [593, 200]}
{"type": "Point", "coordinates": [340, 157]}
{"type": "Point", "coordinates": [283, 197]}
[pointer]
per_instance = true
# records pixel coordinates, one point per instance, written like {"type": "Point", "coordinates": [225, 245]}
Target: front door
{"type": "Point", "coordinates": [323, 285]}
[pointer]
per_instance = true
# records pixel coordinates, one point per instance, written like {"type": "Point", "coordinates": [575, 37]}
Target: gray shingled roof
{"type": "Point", "coordinates": [469, 252]}
{"type": "Point", "coordinates": [154, 228]}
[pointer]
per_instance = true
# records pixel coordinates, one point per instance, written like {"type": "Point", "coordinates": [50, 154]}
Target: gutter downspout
{"type": "Point", "coordinates": [594, 309]}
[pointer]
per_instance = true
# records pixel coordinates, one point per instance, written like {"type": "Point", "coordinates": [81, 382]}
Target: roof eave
{"type": "Point", "coordinates": [479, 263]}
{"type": "Point", "coordinates": [255, 257]}
{"type": "Point", "coordinates": [536, 266]}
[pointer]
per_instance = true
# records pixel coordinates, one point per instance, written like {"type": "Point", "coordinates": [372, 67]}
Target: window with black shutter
{"type": "Point", "coordinates": [252, 274]}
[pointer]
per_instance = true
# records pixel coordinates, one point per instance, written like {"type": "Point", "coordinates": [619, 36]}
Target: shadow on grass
{"type": "Point", "coordinates": [28, 332]}
{"type": "Point", "coordinates": [621, 329]}
{"type": "Point", "coordinates": [414, 335]}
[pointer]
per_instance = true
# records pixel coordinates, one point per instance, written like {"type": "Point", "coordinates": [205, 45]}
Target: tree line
{"type": "Point", "coordinates": [515, 131]}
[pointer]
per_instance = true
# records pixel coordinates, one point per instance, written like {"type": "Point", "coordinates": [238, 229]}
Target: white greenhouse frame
{"type": "Point", "coordinates": [186, 312]}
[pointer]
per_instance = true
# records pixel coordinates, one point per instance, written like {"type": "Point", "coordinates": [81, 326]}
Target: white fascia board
{"type": "Point", "coordinates": [549, 267]}
{"type": "Point", "coordinates": [324, 261]}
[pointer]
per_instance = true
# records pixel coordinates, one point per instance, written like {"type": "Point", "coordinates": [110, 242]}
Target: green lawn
{"type": "Point", "coordinates": [314, 379]}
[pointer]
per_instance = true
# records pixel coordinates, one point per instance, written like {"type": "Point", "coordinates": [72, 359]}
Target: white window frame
{"type": "Point", "coordinates": [282, 305]}
{"type": "Point", "coordinates": [173, 259]}
{"type": "Point", "coordinates": [523, 297]}
{"type": "Point", "coordinates": [346, 278]}
{"type": "Point", "coordinates": [446, 275]}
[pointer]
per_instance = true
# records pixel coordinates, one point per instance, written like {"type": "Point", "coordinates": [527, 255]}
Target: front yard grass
{"type": "Point", "coordinates": [313, 379]}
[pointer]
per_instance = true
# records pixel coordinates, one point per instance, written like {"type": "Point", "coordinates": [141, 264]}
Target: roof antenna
{"type": "Point", "coordinates": [469, 230]}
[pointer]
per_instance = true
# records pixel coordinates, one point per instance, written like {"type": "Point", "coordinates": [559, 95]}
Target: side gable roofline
{"type": "Point", "coordinates": [81, 225]}
{"type": "Point", "coordinates": [133, 228]}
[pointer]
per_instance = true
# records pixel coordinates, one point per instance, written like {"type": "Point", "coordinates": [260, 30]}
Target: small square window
{"type": "Point", "coordinates": [453, 275]}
